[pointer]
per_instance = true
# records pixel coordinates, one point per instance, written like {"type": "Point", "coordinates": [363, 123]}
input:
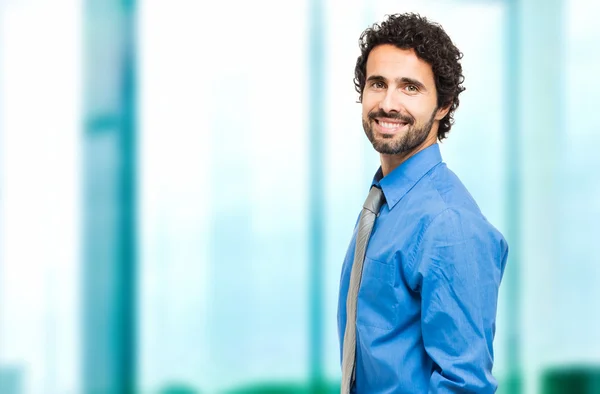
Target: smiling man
{"type": "Point", "coordinates": [419, 284]}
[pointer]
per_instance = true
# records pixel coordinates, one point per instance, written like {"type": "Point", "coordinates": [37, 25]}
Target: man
{"type": "Point", "coordinates": [417, 315]}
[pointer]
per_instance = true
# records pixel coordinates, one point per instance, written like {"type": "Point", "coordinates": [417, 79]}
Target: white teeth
{"type": "Point", "coordinates": [389, 125]}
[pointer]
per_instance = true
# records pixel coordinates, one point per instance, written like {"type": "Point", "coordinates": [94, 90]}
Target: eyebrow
{"type": "Point", "coordinates": [399, 81]}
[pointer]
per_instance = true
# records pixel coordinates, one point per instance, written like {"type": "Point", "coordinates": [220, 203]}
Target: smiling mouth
{"type": "Point", "coordinates": [390, 127]}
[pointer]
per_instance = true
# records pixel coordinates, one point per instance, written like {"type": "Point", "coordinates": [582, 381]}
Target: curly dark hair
{"type": "Point", "coordinates": [430, 43]}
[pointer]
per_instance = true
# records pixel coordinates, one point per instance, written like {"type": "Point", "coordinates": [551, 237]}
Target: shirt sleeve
{"type": "Point", "coordinates": [460, 261]}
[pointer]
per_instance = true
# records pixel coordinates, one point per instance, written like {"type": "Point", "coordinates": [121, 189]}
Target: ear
{"type": "Point", "coordinates": [442, 112]}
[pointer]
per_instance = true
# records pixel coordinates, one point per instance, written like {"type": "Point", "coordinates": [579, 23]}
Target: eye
{"type": "Point", "coordinates": [411, 88]}
{"type": "Point", "coordinates": [378, 85]}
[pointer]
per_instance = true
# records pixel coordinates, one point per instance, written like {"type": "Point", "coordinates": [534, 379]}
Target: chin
{"type": "Point", "coordinates": [387, 149]}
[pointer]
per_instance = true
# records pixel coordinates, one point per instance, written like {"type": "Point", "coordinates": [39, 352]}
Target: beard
{"type": "Point", "coordinates": [404, 142]}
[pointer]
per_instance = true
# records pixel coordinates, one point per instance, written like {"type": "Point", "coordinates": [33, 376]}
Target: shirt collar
{"type": "Point", "coordinates": [398, 182]}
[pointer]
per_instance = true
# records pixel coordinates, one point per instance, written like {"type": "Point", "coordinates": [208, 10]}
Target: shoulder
{"type": "Point", "coordinates": [440, 198]}
{"type": "Point", "coordinates": [452, 221]}
{"type": "Point", "coordinates": [460, 222]}
{"type": "Point", "coordinates": [451, 192]}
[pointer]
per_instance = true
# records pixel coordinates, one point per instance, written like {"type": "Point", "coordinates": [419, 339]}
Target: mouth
{"type": "Point", "coordinates": [390, 126]}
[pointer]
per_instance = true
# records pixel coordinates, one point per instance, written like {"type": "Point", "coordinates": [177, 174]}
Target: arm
{"type": "Point", "coordinates": [460, 260]}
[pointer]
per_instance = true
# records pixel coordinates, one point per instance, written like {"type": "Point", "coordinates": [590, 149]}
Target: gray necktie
{"type": "Point", "coordinates": [370, 210]}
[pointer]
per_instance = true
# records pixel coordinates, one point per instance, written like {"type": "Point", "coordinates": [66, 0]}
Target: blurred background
{"type": "Point", "coordinates": [179, 182]}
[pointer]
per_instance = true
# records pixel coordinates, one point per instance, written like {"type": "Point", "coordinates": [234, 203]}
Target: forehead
{"type": "Point", "coordinates": [391, 62]}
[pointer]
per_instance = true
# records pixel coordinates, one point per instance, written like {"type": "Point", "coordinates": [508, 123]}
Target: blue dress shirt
{"type": "Point", "coordinates": [429, 289]}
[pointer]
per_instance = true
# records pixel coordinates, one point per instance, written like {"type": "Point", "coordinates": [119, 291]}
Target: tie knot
{"type": "Point", "coordinates": [374, 200]}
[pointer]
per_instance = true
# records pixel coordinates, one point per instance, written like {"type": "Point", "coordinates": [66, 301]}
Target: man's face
{"type": "Point", "coordinates": [399, 102]}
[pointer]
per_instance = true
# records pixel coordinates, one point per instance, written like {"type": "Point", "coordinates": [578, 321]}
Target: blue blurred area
{"type": "Point", "coordinates": [179, 182]}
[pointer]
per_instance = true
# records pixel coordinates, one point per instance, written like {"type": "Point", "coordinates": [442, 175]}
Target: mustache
{"type": "Point", "coordinates": [394, 115]}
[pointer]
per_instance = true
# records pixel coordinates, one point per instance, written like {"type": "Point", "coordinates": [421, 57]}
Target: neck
{"type": "Point", "coordinates": [390, 162]}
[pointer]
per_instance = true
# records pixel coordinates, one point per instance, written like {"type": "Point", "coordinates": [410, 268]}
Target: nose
{"type": "Point", "coordinates": [390, 102]}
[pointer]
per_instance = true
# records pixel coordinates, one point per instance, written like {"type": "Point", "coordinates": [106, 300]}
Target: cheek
{"type": "Point", "coordinates": [365, 111]}
{"type": "Point", "coordinates": [368, 106]}
{"type": "Point", "coordinates": [421, 110]}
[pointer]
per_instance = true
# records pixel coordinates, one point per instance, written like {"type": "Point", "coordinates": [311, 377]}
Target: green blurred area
{"type": "Point", "coordinates": [571, 380]}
